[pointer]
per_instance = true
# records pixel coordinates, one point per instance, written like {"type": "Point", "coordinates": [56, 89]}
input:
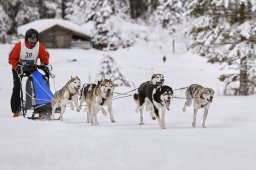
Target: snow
{"type": "Point", "coordinates": [44, 24]}
{"type": "Point", "coordinates": [227, 143]}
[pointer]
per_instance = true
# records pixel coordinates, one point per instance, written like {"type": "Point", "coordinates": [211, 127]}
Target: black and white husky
{"type": "Point", "coordinates": [155, 97]}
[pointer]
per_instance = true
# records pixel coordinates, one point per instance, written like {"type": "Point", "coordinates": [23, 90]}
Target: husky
{"type": "Point", "coordinates": [83, 93]}
{"type": "Point", "coordinates": [155, 98]}
{"type": "Point", "coordinates": [202, 98]}
{"type": "Point", "coordinates": [157, 79]}
{"type": "Point", "coordinates": [67, 95]}
{"type": "Point", "coordinates": [96, 96]}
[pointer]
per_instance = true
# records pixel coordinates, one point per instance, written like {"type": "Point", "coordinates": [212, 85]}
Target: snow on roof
{"type": "Point", "coordinates": [44, 24]}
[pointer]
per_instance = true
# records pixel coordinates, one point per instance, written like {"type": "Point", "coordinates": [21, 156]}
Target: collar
{"type": "Point", "coordinates": [202, 97]}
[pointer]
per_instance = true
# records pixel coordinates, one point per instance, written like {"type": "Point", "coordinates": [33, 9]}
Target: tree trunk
{"type": "Point", "coordinates": [243, 89]}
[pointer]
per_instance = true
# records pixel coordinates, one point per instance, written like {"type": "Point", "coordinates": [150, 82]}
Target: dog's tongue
{"type": "Point", "coordinates": [77, 89]}
{"type": "Point", "coordinates": [167, 103]}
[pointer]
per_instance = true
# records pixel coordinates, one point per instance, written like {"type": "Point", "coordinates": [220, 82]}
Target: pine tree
{"type": "Point", "coordinates": [26, 14]}
{"type": "Point", "coordinates": [109, 70]}
{"type": "Point", "coordinates": [4, 24]}
{"type": "Point", "coordinates": [20, 12]}
{"type": "Point", "coordinates": [223, 31]}
{"type": "Point", "coordinates": [78, 11]}
{"type": "Point", "coordinates": [168, 14]}
{"type": "Point", "coordinates": [50, 8]}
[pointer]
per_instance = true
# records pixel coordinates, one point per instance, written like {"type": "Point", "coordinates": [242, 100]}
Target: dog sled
{"type": "Point", "coordinates": [36, 95]}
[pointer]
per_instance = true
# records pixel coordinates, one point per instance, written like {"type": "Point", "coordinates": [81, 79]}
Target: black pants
{"type": "Point", "coordinates": [15, 99]}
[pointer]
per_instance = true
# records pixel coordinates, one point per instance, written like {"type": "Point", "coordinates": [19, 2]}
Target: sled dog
{"type": "Point", "coordinates": [202, 98]}
{"type": "Point", "coordinates": [96, 96]}
{"type": "Point", "coordinates": [157, 79]}
{"type": "Point", "coordinates": [67, 95]}
{"type": "Point", "coordinates": [155, 98]}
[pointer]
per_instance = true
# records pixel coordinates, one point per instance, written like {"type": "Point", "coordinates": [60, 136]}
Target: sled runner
{"type": "Point", "coordinates": [37, 94]}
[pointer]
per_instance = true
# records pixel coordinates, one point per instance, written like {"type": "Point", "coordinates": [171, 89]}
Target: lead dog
{"type": "Point", "coordinates": [201, 97]}
{"type": "Point", "coordinates": [67, 95]}
{"type": "Point", "coordinates": [155, 98]}
{"type": "Point", "coordinates": [96, 96]}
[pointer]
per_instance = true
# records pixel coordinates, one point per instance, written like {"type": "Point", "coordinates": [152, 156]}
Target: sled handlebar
{"type": "Point", "coordinates": [21, 69]}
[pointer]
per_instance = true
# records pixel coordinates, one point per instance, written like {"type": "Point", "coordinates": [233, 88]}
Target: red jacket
{"type": "Point", "coordinates": [15, 54]}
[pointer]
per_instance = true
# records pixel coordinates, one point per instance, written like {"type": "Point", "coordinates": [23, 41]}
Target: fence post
{"type": "Point", "coordinates": [173, 46]}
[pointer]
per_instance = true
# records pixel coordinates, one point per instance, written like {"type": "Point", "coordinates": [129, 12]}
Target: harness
{"type": "Point", "coordinates": [103, 101]}
{"type": "Point", "coordinates": [70, 96]}
{"type": "Point", "coordinates": [191, 92]}
{"type": "Point", "coordinates": [201, 97]}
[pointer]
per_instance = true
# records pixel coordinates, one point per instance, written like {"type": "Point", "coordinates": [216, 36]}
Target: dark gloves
{"type": "Point", "coordinates": [18, 69]}
{"type": "Point", "coordinates": [32, 67]}
{"type": "Point", "coordinates": [26, 69]}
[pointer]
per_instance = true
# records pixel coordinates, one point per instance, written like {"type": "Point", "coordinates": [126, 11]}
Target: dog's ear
{"type": "Point", "coordinates": [153, 76]}
{"type": "Point", "coordinates": [212, 90]}
{"type": "Point", "coordinates": [170, 90]}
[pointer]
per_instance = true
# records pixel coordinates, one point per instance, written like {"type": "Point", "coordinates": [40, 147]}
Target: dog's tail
{"type": "Point", "coordinates": [136, 96]}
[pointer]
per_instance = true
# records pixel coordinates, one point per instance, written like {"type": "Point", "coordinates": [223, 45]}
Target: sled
{"type": "Point", "coordinates": [37, 95]}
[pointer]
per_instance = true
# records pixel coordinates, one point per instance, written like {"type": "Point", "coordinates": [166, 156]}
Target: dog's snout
{"type": "Point", "coordinates": [108, 90]}
{"type": "Point", "coordinates": [211, 97]}
{"type": "Point", "coordinates": [162, 79]}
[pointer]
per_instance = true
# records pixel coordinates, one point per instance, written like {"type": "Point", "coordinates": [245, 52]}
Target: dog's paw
{"type": "Point", "coordinates": [163, 127]}
{"type": "Point", "coordinates": [184, 109]}
{"type": "Point", "coordinates": [193, 124]}
{"type": "Point", "coordinates": [72, 108]}
{"type": "Point", "coordinates": [203, 126]}
{"type": "Point", "coordinates": [113, 121]}
{"type": "Point", "coordinates": [153, 118]}
{"type": "Point", "coordinates": [78, 109]}
{"type": "Point", "coordinates": [141, 123]}
{"type": "Point", "coordinates": [104, 113]}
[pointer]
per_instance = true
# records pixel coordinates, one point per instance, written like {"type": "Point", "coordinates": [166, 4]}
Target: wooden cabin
{"type": "Point", "coordinates": [57, 33]}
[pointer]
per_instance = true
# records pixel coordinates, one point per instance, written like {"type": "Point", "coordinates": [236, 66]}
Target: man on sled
{"type": "Point", "coordinates": [25, 54]}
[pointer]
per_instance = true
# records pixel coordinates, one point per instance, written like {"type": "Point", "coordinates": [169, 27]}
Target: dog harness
{"type": "Point", "coordinates": [103, 101]}
{"type": "Point", "coordinates": [201, 97]}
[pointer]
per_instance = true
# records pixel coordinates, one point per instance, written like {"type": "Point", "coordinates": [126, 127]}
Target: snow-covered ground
{"type": "Point", "coordinates": [228, 142]}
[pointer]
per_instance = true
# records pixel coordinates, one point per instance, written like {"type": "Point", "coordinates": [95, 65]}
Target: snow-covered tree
{"type": "Point", "coordinates": [26, 14]}
{"type": "Point", "coordinates": [101, 13]}
{"type": "Point", "coordinates": [50, 8]}
{"type": "Point", "coordinates": [168, 14]}
{"type": "Point", "coordinates": [224, 31]}
{"type": "Point", "coordinates": [109, 70]}
{"type": "Point", "coordinates": [78, 11]}
{"type": "Point", "coordinates": [20, 12]}
{"type": "Point", "coordinates": [4, 24]}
